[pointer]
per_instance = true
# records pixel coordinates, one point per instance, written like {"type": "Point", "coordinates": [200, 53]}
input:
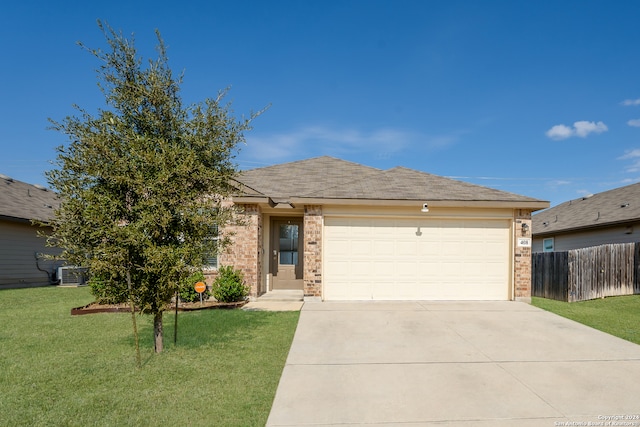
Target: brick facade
{"type": "Point", "coordinates": [312, 251]}
{"type": "Point", "coordinates": [522, 257]}
{"type": "Point", "coordinates": [245, 250]}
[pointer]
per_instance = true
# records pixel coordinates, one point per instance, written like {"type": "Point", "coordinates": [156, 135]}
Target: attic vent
{"type": "Point", "coordinates": [40, 187]}
{"type": "Point", "coordinates": [624, 205]}
{"type": "Point", "coordinates": [6, 178]}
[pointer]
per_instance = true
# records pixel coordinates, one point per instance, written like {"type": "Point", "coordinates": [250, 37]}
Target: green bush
{"type": "Point", "coordinates": [229, 285]}
{"type": "Point", "coordinates": [108, 291]}
{"type": "Point", "coordinates": [188, 293]}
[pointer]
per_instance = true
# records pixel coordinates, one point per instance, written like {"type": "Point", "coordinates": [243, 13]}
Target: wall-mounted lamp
{"type": "Point", "coordinates": [425, 208]}
{"type": "Point", "coordinates": [525, 228]}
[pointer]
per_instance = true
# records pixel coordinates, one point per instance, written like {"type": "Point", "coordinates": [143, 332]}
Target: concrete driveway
{"type": "Point", "coordinates": [453, 363]}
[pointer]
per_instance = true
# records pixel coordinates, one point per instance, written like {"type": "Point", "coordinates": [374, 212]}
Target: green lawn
{"type": "Point", "coordinates": [619, 316]}
{"type": "Point", "coordinates": [63, 370]}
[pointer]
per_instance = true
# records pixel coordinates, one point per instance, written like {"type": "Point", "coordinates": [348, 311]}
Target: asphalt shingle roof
{"type": "Point", "coordinates": [611, 207]}
{"type": "Point", "coordinates": [22, 201]}
{"type": "Point", "coordinates": [331, 178]}
{"type": "Point", "coordinates": [304, 177]}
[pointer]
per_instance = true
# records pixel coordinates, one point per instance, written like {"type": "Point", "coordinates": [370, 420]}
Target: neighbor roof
{"type": "Point", "coordinates": [25, 202]}
{"type": "Point", "coordinates": [328, 178]}
{"type": "Point", "coordinates": [617, 206]}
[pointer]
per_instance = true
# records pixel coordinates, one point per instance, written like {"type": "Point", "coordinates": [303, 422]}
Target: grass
{"type": "Point", "coordinates": [58, 369]}
{"type": "Point", "coordinates": [619, 316]}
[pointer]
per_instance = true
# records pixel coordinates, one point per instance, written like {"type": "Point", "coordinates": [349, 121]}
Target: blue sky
{"type": "Point", "coordinates": [540, 98]}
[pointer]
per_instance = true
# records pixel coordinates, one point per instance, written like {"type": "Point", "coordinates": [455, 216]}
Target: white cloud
{"type": "Point", "coordinates": [263, 149]}
{"type": "Point", "coordinates": [634, 167]}
{"type": "Point", "coordinates": [631, 102]}
{"type": "Point", "coordinates": [633, 155]}
{"type": "Point", "coordinates": [580, 128]}
{"type": "Point", "coordinates": [630, 154]}
{"type": "Point", "coordinates": [634, 123]}
{"type": "Point", "coordinates": [627, 181]}
{"type": "Point", "coordinates": [560, 132]}
{"type": "Point", "coordinates": [320, 140]}
{"type": "Point", "coordinates": [584, 128]}
{"type": "Point", "coordinates": [558, 182]}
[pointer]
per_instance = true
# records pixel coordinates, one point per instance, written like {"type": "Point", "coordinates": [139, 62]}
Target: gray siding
{"type": "Point", "coordinates": [585, 239]}
{"type": "Point", "coordinates": [19, 244]}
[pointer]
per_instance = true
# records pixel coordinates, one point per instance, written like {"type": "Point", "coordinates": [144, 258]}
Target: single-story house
{"type": "Point", "coordinates": [609, 217]}
{"type": "Point", "coordinates": [21, 250]}
{"type": "Point", "coordinates": [339, 230]}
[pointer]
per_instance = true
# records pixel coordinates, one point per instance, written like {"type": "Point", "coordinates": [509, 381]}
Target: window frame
{"type": "Point", "coordinates": [215, 237]}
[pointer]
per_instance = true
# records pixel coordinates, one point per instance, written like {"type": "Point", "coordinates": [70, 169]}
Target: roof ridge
{"type": "Point", "coordinates": [308, 160]}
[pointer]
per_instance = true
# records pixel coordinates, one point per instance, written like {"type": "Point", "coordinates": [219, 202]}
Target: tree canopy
{"type": "Point", "coordinates": [142, 181]}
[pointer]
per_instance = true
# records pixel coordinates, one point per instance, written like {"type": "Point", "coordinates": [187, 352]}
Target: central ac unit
{"type": "Point", "coordinates": [72, 276]}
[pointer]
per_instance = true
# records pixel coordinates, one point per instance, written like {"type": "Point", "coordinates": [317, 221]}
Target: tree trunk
{"type": "Point", "coordinates": [157, 331]}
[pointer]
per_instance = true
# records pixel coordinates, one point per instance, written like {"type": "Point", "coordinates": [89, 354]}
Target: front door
{"type": "Point", "coordinates": [286, 253]}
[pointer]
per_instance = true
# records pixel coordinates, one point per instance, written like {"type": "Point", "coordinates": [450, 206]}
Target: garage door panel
{"type": "Point", "coordinates": [360, 268]}
{"type": "Point", "coordinates": [406, 269]}
{"type": "Point", "coordinates": [406, 248]}
{"type": "Point", "coordinates": [350, 291]}
{"type": "Point", "coordinates": [361, 248]}
{"type": "Point", "coordinates": [373, 258]}
{"type": "Point", "coordinates": [382, 248]}
{"type": "Point", "coordinates": [383, 272]}
{"type": "Point", "coordinates": [427, 248]}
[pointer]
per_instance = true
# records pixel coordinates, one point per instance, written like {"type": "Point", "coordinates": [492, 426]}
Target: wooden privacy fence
{"type": "Point", "coordinates": [588, 273]}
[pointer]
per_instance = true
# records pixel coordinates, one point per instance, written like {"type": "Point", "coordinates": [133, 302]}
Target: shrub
{"type": "Point", "coordinates": [108, 291]}
{"type": "Point", "coordinates": [229, 285]}
{"type": "Point", "coordinates": [188, 293]}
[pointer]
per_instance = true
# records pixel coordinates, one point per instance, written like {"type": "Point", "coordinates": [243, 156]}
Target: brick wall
{"type": "Point", "coordinates": [312, 251]}
{"type": "Point", "coordinates": [522, 258]}
{"type": "Point", "coordinates": [244, 252]}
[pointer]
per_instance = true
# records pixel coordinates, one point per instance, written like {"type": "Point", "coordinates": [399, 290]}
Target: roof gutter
{"type": "Point", "coordinates": [532, 205]}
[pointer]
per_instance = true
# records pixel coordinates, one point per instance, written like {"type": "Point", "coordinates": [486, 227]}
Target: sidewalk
{"type": "Point", "coordinates": [280, 300]}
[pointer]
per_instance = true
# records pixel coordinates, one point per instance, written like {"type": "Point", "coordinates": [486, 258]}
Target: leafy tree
{"type": "Point", "coordinates": [142, 181]}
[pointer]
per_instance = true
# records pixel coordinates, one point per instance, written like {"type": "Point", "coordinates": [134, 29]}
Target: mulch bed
{"type": "Point", "coordinates": [183, 306]}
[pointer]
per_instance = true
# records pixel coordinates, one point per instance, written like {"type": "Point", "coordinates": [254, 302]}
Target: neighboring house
{"type": "Point", "coordinates": [609, 217]}
{"type": "Point", "coordinates": [343, 231]}
{"type": "Point", "coordinates": [21, 261]}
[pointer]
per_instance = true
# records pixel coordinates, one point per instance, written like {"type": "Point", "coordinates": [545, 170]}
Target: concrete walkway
{"type": "Point", "coordinates": [280, 300]}
{"type": "Point", "coordinates": [453, 363]}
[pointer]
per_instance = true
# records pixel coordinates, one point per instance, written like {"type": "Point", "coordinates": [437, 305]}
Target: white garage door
{"type": "Point", "coordinates": [415, 259]}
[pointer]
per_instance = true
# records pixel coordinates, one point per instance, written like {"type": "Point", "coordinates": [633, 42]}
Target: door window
{"type": "Point", "coordinates": [289, 244]}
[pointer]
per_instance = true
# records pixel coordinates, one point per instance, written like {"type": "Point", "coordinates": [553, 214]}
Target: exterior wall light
{"type": "Point", "coordinates": [525, 228]}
